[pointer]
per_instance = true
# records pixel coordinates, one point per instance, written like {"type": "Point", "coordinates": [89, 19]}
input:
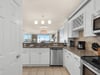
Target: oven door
{"type": "Point", "coordinates": [87, 71]}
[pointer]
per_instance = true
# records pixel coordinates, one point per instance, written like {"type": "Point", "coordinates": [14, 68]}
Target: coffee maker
{"type": "Point", "coordinates": [81, 45]}
{"type": "Point", "coordinates": [72, 43]}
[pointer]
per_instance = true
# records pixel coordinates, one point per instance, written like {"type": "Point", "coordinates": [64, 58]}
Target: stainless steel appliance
{"type": "Point", "coordinates": [90, 65]}
{"type": "Point", "coordinates": [81, 45]}
{"type": "Point", "coordinates": [56, 56]}
{"type": "Point", "coordinates": [96, 25]}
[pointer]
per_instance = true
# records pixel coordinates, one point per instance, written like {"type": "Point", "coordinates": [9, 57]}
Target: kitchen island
{"type": "Point", "coordinates": [38, 54]}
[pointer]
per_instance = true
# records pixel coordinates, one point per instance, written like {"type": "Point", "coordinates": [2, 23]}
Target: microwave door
{"type": "Point", "coordinates": [96, 24]}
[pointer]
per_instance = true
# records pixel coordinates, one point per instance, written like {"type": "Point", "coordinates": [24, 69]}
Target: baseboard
{"type": "Point", "coordinates": [36, 65]}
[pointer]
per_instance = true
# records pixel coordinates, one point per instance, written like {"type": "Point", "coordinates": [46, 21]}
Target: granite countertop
{"type": "Point", "coordinates": [46, 47]}
{"type": "Point", "coordinates": [56, 46]}
{"type": "Point", "coordinates": [81, 52]}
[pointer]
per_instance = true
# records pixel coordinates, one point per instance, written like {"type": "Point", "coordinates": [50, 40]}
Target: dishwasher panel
{"type": "Point", "coordinates": [56, 57]}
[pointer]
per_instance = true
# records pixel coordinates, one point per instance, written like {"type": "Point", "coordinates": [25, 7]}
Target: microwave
{"type": "Point", "coordinates": [96, 25]}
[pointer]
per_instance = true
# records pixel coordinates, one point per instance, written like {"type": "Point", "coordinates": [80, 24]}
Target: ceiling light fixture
{"type": "Point", "coordinates": [44, 31]}
{"type": "Point", "coordinates": [42, 21]}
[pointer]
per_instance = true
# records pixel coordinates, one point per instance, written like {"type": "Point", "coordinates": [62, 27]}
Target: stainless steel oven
{"type": "Point", "coordinates": [87, 71]}
{"type": "Point", "coordinates": [90, 65]}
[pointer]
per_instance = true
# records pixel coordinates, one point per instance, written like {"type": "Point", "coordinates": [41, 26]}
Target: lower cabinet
{"type": "Point", "coordinates": [71, 62]}
{"type": "Point", "coordinates": [36, 57]}
{"type": "Point", "coordinates": [25, 56]}
{"type": "Point", "coordinates": [45, 58]}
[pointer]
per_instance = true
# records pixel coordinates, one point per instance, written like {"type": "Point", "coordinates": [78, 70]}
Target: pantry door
{"type": "Point", "coordinates": [10, 39]}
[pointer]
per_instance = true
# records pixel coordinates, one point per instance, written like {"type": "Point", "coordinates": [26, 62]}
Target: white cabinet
{"type": "Point", "coordinates": [78, 22]}
{"type": "Point", "coordinates": [66, 31]}
{"type": "Point", "coordinates": [36, 56]}
{"type": "Point", "coordinates": [97, 5]}
{"type": "Point", "coordinates": [25, 56]}
{"type": "Point", "coordinates": [88, 28]}
{"type": "Point", "coordinates": [71, 33]}
{"type": "Point", "coordinates": [76, 69]}
{"type": "Point", "coordinates": [45, 57]}
{"type": "Point", "coordinates": [61, 34]}
{"type": "Point", "coordinates": [40, 56]}
{"type": "Point", "coordinates": [71, 62]}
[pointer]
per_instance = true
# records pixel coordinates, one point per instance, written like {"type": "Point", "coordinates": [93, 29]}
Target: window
{"type": "Point", "coordinates": [28, 38]}
{"type": "Point", "coordinates": [43, 38]}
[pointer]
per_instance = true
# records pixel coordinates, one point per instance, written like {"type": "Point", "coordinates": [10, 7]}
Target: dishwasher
{"type": "Point", "coordinates": [56, 58]}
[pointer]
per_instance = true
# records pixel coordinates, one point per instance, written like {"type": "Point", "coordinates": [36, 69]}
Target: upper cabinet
{"type": "Point", "coordinates": [61, 34]}
{"type": "Point", "coordinates": [97, 5]}
{"type": "Point", "coordinates": [78, 23]}
{"type": "Point", "coordinates": [82, 19]}
{"type": "Point", "coordinates": [88, 27]}
{"type": "Point", "coordinates": [71, 33]}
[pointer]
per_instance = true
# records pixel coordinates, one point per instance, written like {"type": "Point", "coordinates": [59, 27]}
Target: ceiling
{"type": "Point", "coordinates": [55, 10]}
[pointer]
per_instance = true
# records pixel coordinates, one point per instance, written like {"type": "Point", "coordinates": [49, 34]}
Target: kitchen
{"type": "Point", "coordinates": [49, 37]}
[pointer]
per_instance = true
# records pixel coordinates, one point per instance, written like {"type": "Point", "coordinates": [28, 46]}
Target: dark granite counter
{"type": "Point", "coordinates": [81, 52]}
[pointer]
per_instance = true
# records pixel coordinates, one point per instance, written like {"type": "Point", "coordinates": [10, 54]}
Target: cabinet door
{"type": "Point", "coordinates": [66, 31]}
{"type": "Point", "coordinates": [64, 58]}
{"type": "Point", "coordinates": [25, 56]}
{"type": "Point", "coordinates": [67, 60]}
{"type": "Point", "coordinates": [25, 59]}
{"type": "Point", "coordinates": [71, 33]}
{"type": "Point", "coordinates": [88, 29]}
{"type": "Point", "coordinates": [35, 58]}
{"type": "Point", "coordinates": [76, 68]}
{"type": "Point", "coordinates": [97, 5]}
{"type": "Point", "coordinates": [44, 58]}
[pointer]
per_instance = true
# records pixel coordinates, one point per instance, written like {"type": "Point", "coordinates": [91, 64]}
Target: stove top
{"type": "Point", "coordinates": [93, 60]}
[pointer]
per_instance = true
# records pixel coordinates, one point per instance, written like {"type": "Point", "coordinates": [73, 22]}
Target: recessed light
{"type": "Point", "coordinates": [35, 22]}
{"type": "Point", "coordinates": [42, 22]}
{"type": "Point", "coordinates": [49, 21]}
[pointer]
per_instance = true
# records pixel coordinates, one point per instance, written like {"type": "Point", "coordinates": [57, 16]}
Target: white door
{"type": "Point", "coordinates": [10, 41]}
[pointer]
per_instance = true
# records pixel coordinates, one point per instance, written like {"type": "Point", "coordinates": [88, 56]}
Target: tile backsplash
{"type": "Point", "coordinates": [89, 40]}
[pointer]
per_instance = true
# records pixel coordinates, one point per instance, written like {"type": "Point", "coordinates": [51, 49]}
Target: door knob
{"type": "Point", "coordinates": [18, 56]}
